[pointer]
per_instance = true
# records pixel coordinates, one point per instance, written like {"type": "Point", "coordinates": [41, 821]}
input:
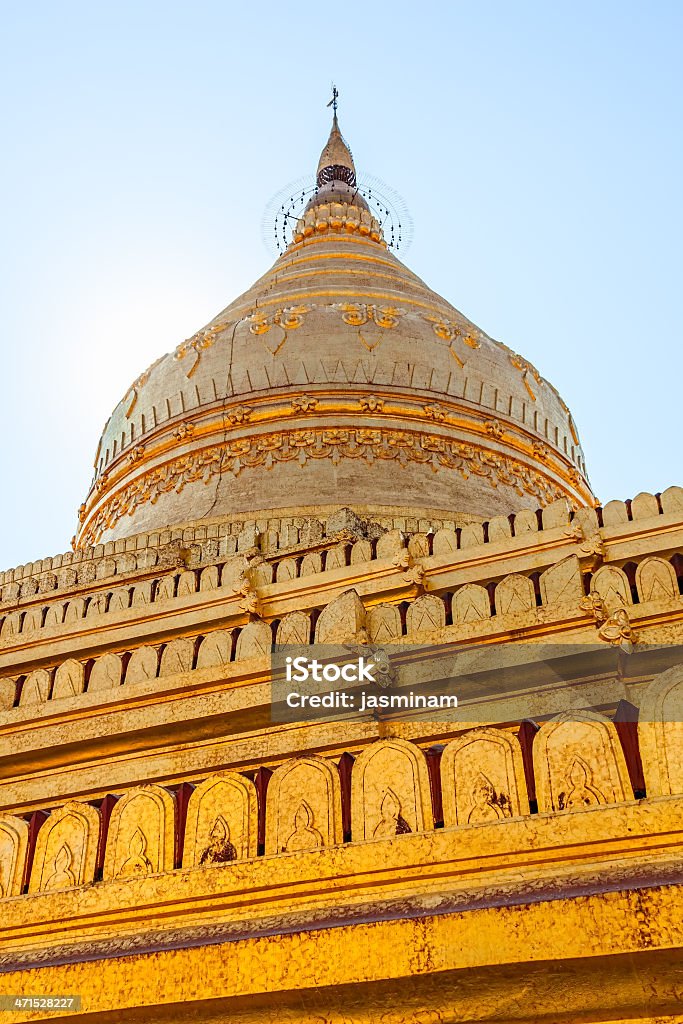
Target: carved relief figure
{"type": "Point", "coordinates": [62, 876]}
{"type": "Point", "coordinates": [137, 862]}
{"type": "Point", "coordinates": [579, 793]}
{"type": "Point", "coordinates": [391, 821]}
{"type": "Point", "coordinates": [390, 790]}
{"type": "Point", "coordinates": [293, 823]}
{"type": "Point", "coordinates": [482, 778]}
{"type": "Point", "coordinates": [66, 848]}
{"type": "Point", "coordinates": [221, 821]}
{"type": "Point", "coordinates": [141, 834]}
{"type": "Point", "coordinates": [219, 850]}
{"type": "Point", "coordinates": [486, 803]}
{"type": "Point", "coordinates": [579, 762]}
{"type": "Point", "coordinates": [304, 836]}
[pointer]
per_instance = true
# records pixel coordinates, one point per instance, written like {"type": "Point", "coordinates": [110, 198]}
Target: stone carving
{"type": "Point", "coordinates": [8, 690]}
{"type": "Point", "coordinates": [105, 568]}
{"type": "Point", "coordinates": [105, 673]}
{"type": "Point", "coordinates": [54, 616]}
{"type": "Point", "coordinates": [143, 665]}
{"type": "Point", "coordinates": [415, 571]}
{"type": "Point", "coordinates": [187, 583]}
{"type": "Point", "coordinates": [614, 513]}
{"type": "Point", "coordinates": [361, 552]}
{"type": "Point", "coordinates": [222, 823]}
{"type": "Point", "coordinates": [141, 834]}
{"type": "Point", "coordinates": [165, 589]}
{"type": "Point", "coordinates": [97, 605]}
{"type": "Point", "coordinates": [470, 604]}
{"type": "Point", "coordinates": [656, 580]}
{"type": "Point", "coordinates": [119, 599]}
{"type": "Point", "coordinates": [342, 620]}
{"type": "Point", "coordinates": [471, 535]}
{"type": "Point", "coordinates": [215, 649]}
{"type": "Point", "coordinates": [208, 578]}
{"type": "Point", "coordinates": [660, 733]}
{"type": "Point", "coordinates": [304, 836]}
{"type": "Point", "coordinates": [294, 628]}
{"type": "Point", "coordinates": [556, 514]}
{"type": "Point", "coordinates": [390, 789]}
{"type": "Point", "coordinates": [445, 542]}
{"type": "Point", "coordinates": [33, 619]}
{"type": "Point", "coordinates": [611, 584]}
{"type": "Point", "coordinates": [399, 446]}
{"type": "Point", "coordinates": [66, 849]}
{"type": "Point", "coordinates": [335, 557]}
{"type": "Point", "coordinates": [177, 657]}
{"type": "Point", "coordinates": [561, 584]}
{"type": "Point", "coordinates": [418, 546]}
{"type": "Point", "coordinates": [286, 570]}
{"type": "Point", "coordinates": [526, 521]}
{"type": "Point", "coordinates": [195, 345]}
{"type": "Point", "coordinates": [514, 594]}
{"type": "Point", "coordinates": [69, 679]}
{"type": "Point", "coordinates": [10, 625]}
{"type": "Point", "coordinates": [672, 501]}
{"type": "Point", "coordinates": [75, 611]}
{"type": "Point", "coordinates": [499, 529]}
{"type": "Point", "coordinates": [579, 762]}
{"type": "Point", "coordinates": [425, 614]}
{"type": "Point", "coordinates": [615, 627]}
{"type": "Point", "coordinates": [586, 521]}
{"type": "Point", "coordinates": [482, 778]}
{"type": "Point", "coordinates": [644, 506]}
{"type": "Point", "coordinates": [13, 848]}
{"type": "Point", "coordinates": [142, 594]}
{"type": "Point", "coordinates": [390, 544]}
{"type": "Point", "coordinates": [254, 641]}
{"type": "Point", "coordinates": [384, 623]}
{"type": "Point", "coordinates": [311, 563]}
{"type": "Point", "coordinates": [36, 688]}
{"type": "Point", "coordinates": [294, 823]}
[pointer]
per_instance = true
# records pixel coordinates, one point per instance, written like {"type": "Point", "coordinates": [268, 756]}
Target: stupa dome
{"type": "Point", "coordinates": [339, 378]}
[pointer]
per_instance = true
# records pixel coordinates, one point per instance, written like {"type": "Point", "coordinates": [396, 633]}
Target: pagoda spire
{"type": "Point", "coordinates": [336, 159]}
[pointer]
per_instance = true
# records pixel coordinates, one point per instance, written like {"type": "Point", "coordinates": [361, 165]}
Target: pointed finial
{"type": "Point", "coordinates": [333, 101]}
{"type": "Point", "coordinates": [336, 161]}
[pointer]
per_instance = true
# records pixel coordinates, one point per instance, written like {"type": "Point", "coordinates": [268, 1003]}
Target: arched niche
{"type": "Point", "coordinates": [141, 838]}
{"type": "Point", "coordinates": [303, 808]}
{"type": "Point", "coordinates": [390, 792]}
{"type": "Point", "coordinates": [482, 778]}
{"type": "Point", "coordinates": [579, 763]}
{"type": "Point", "coordinates": [66, 849]}
{"type": "Point", "coordinates": [222, 821]}
{"type": "Point", "coordinates": [13, 849]}
{"type": "Point", "coordinates": [69, 679]}
{"type": "Point", "coordinates": [660, 733]}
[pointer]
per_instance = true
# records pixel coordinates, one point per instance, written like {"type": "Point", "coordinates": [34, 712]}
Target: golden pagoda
{"type": "Point", "coordinates": [340, 457]}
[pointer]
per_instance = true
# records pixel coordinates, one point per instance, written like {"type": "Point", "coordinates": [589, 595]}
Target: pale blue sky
{"type": "Point", "coordinates": [538, 146]}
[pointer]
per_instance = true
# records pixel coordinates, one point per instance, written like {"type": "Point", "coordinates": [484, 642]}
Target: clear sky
{"type": "Point", "coordinates": [537, 144]}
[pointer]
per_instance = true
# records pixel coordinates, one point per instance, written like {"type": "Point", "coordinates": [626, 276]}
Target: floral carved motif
{"type": "Point", "coordinates": [399, 446]}
{"type": "Point", "coordinates": [358, 313]}
{"type": "Point", "coordinates": [196, 345]}
{"type": "Point", "coordinates": [449, 331]}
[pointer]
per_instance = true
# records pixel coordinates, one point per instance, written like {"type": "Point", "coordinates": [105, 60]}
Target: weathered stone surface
{"type": "Point", "coordinates": [221, 822]}
{"type": "Point", "coordinates": [303, 809]}
{"type": "Point", "coordinates": [140, 840]}
{"type": "Point", "coordinates": [482, 778]}
{"type": "Point", "coordinates": [66, 849]}
{"type": "Point", "coordinates": [390, 793]}
{"type": "Point", "coordinates": [579, 763]}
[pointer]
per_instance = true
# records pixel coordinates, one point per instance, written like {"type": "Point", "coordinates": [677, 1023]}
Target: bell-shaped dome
{"type": "Point", "coordinates": [339, 378]}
